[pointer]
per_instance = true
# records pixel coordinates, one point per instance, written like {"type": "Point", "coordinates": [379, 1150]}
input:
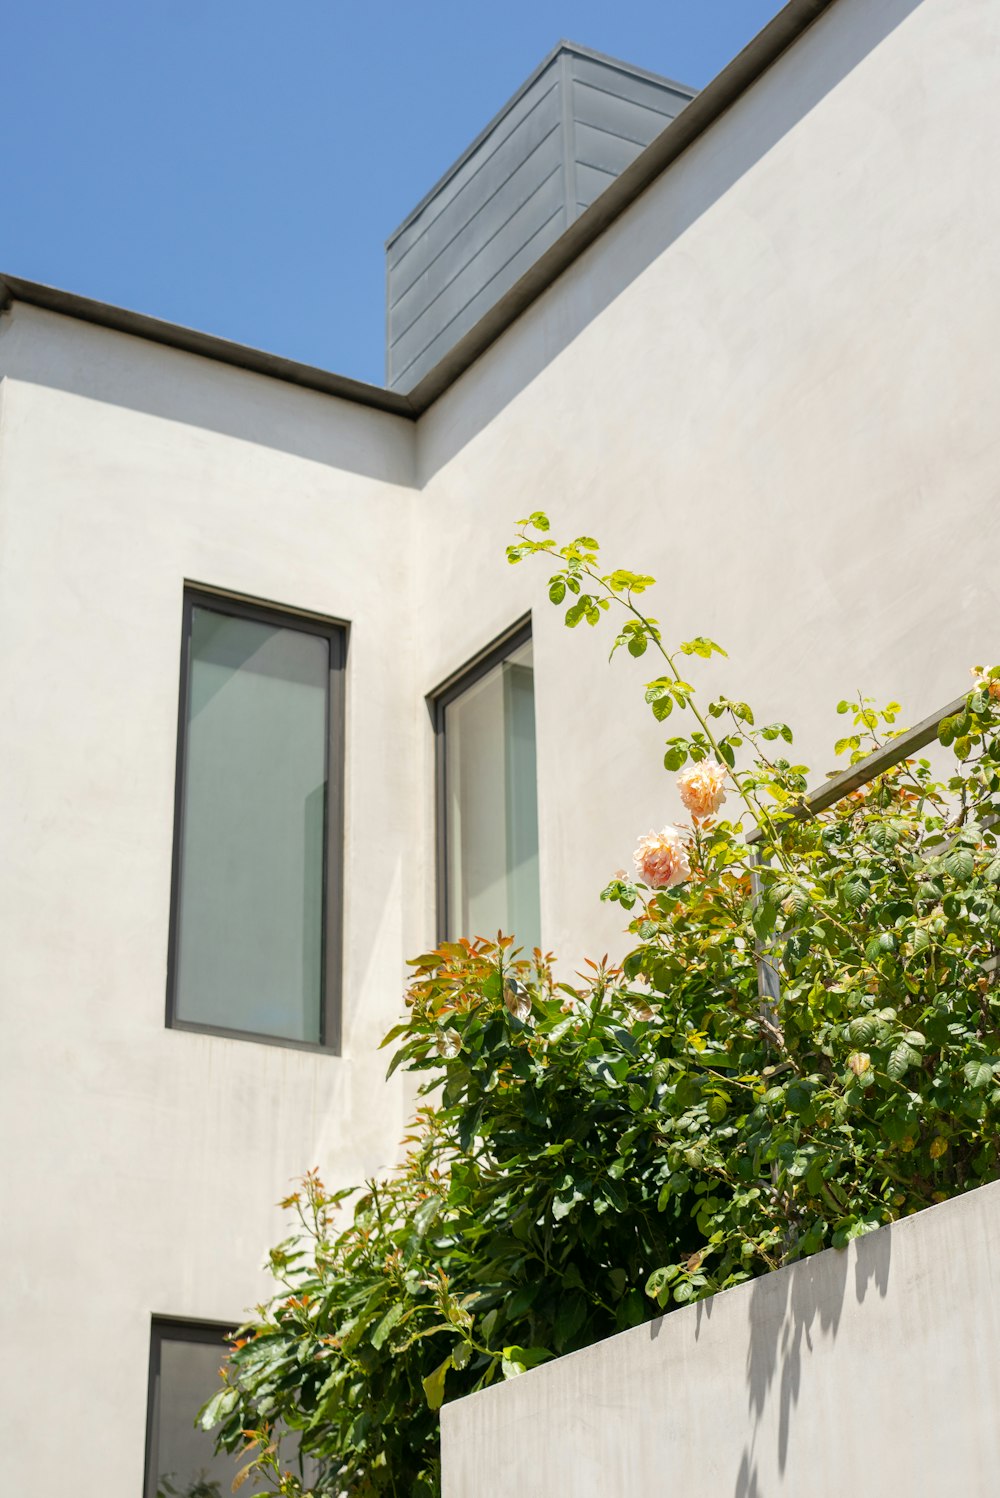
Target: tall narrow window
{"type": "Point", "coordinates": [181, 1461]}
{"type": "Point", "coordinates": [255, 909]}
{"type": "Point", "coordinates": [487, 797]}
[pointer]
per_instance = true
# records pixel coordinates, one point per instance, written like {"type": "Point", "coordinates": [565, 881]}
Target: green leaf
{"type": "Point", "coordinates": [853, 1227]}
{"type": "Point", "coordinates": [218, 1408]}
{"type": "Point", "coordinates": [658, 1284]}
{"type": "Point", "coordinates": [959, 863]}
{"type": "Point", "coordinates": [764, 917]}
{"type": "Point", "coordinates": [880, 946]}
{"type": "Point", "coordinates": [392, 1317]}
{"type": "Point", "coordinates": [571, 1315]}
{"type": "Point", "coordinates": [796, 902]}
{"type": "Point", "coordinates": [434, 1384]}
{"type": "Point", "coordinates": [675, 756]}
{"type": "Point", "coordinates": [563, 1205]}
{"type": "Point", "coordinates": [979, 1074]}
{"type": "Point", "coordinates": [394, 1034]}
{"type": "Point", "coordinates": [702, 646]}
{"type": "Point", "coordinates": [425, 1214]}
{"type": "Point", "coordinates": [863, 1030]}
{"type": "Point", "coordinates": [901, 1058]}
{"type": "Point", "coordinates": [557, 590]}
{"type": "Point", "coordinates": [518, 1359]}
{"type": "Point", "coordinates": [799, 1096]}
{"type": "Point", "coordinates": [397, 1060]}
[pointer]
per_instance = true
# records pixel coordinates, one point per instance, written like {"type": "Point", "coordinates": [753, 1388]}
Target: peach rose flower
{"type": "Point", "coordinates": [984, 683]}
{"type": "Point", "coordinates": [661, 859]}
{"type": "Point", "coordinates": [703, 788]}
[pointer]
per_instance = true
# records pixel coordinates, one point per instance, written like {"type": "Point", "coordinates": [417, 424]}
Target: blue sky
{"type": "Point", "coordinates": [237, 166]}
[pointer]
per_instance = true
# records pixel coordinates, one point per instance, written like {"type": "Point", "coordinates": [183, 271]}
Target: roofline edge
{"type": "Point", "coordinates": [208, 345]}
{"type": "Point", "coordinates": [693, 121]}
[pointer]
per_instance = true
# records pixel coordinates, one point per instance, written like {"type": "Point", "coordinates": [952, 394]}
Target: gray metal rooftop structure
{"type": "Point", "coordinates": [568, 132]}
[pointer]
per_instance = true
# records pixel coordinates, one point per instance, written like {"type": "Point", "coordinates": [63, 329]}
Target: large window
{"type": "Point", "coordinates": [255, 928]}
{"type": "Point", "coordinates": [487, 797]}
{"type": "Point", "coordinates": [181, 1461]}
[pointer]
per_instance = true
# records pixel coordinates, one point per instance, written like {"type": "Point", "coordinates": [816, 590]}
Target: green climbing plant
{"type": "Point", "coordinates": [595, 1151]}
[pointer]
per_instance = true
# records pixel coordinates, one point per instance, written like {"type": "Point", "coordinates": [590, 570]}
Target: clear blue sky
{"type": "Point", "coordinates": [236, 166]}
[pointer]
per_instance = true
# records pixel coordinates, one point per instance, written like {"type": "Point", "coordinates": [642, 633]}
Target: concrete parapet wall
{"type": "Point", "coordinates": [873, 1370]}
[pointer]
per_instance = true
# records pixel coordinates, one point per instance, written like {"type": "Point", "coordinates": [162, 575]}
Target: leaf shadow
{"type": "Point", "coordinates": [791, 1313]}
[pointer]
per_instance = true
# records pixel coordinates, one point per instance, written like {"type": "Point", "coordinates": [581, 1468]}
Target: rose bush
{"type": "Point", "coordinates": [598, 1150]}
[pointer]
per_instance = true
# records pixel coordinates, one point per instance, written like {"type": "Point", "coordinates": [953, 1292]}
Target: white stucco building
{"type": "Point", "coordinates": [762, 365]}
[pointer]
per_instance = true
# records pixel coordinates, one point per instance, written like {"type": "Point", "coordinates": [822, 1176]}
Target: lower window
{"type": "Point", "coordinates": [181, 1461]}
{"type": "Point", "coordinates": [183, 1373]}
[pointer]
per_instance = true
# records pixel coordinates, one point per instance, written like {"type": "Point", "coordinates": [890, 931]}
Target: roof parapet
{"type": "Point", "coordinates": [704, 109]}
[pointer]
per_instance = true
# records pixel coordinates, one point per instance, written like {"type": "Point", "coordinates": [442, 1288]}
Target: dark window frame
{"type": "Point", "coordinates": [336, 632]}
{"type": "Point", "coordinates": [454, 686]}
{"type": "Point", "coordinates": [170, 1329]}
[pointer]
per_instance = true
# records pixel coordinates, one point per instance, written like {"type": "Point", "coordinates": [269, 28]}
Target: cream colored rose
{"type": "Point", "coordinates": [661, 859]}
{"type": "Point", "coordinates": [703, 788]}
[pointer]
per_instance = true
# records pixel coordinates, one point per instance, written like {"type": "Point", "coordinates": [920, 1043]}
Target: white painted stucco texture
{"type": "Point", "coordinates": [772, 383]}
{"type": "Point", "coordinates": [871, 1369]}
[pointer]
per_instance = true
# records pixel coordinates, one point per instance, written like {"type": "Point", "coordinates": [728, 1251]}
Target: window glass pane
{"type": "Point", "coordinates": [250, 910]}
{"type": "Point", "coordinates": [491, 809]}
{"type": "Point", "coordinates": [183, 1460]}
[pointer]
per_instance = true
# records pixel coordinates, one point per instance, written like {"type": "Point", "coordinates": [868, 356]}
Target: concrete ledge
{"type": "Point", "coordinates": [875, 1370]}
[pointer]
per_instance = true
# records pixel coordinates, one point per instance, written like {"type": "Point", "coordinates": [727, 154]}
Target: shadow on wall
{"type": "Point", "coordinates": [790, 1311]}
{"type": "Point", "coordinates": [193, 392]}
{"type": "Point", "coordinates": [737, 141]}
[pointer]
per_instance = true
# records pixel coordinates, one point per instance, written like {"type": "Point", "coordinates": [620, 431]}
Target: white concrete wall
{"type": "Point", "coordinates": [871, 1370]}
{"type": "Point", "coordinates": [773, 384]}
{"type": "Point", "coordinates": [140, 1165]}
